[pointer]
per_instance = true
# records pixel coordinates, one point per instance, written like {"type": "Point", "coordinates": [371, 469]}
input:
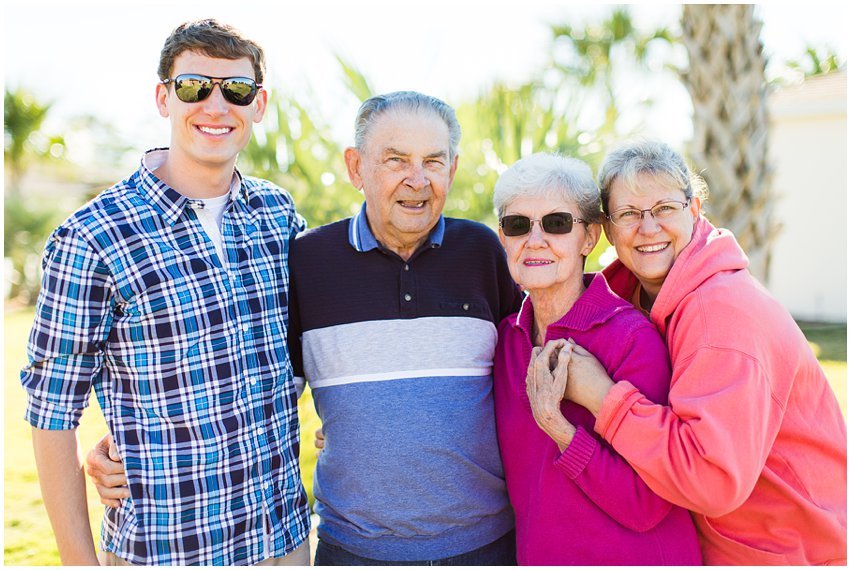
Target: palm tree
{"type": "Point", "coordinates": [726, 81]}
{"type": "Point", "coordinates": [27, 222]}
{"type": "Point", "coordinates": [594, 55]}
{"type": "Point", "coordinates": [294, 148]}
{"type": "Point", "coordinates": [503, 124]}
{"type": "Point", "coordinates": [22, 117]}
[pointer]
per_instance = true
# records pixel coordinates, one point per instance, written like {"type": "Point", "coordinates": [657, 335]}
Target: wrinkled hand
{"type": "Point", "coordinates": [319, 441]}
{"type": "Point", "coordinates": [589, 381]}
{"type": "Point", "coordinates": [546, 380]}
{"type": "Point", "coordinates": [105, 468]}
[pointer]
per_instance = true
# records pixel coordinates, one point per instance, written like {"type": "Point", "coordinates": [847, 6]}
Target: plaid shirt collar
{"type": "Point", "coordinates": [166, 200]}
{"type": "Point", "coordinates": [362, 239]}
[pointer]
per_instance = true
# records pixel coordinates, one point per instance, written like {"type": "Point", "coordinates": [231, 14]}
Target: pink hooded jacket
{"type": "Point", "coordinates": [753, 441]}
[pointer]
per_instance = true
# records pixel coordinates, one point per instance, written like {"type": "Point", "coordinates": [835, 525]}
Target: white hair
{"type": "Point", "coordinates": [551, 175]}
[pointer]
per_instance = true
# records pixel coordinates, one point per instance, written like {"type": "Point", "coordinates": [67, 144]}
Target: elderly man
{"type": "Point", "coordinates": [394, 314]}
{"type": "Point", "coordinates": [393, 317]}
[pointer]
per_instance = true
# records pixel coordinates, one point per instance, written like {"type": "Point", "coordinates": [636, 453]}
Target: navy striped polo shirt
{"type": "Point", "coordinates": [399, 357]}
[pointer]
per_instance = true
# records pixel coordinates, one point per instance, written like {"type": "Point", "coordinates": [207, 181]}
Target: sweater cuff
{"type": "Point", "coordinates": [577, 455]}
{"type": "Point", "coordinates": [615, 407]}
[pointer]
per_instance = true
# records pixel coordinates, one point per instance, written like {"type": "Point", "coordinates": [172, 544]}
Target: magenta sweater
{"type": "Point", "coordinates": [586, 505]}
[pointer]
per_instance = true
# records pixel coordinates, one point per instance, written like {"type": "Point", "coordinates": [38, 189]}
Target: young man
{"type": "Point", "coordinates": [167, 294]}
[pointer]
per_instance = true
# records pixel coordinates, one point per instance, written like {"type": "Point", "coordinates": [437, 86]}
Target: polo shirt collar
{"type": "Point", "coordinates": [362, 239]}
{"type": "Point", "coordinates": [166, 200]}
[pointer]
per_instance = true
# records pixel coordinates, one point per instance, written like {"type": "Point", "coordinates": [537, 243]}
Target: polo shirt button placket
{"type": "Point", "coordinates": [407, 286]}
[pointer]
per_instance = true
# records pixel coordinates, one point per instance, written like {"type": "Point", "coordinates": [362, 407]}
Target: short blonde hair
{"type": "Point", "coordinates": [656, 158]}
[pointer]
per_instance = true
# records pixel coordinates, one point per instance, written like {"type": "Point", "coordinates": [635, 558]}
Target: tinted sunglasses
{"type": "Point", "coordinates": [556, 223]}
{"type": "Point", "coordinates": [191, 88]}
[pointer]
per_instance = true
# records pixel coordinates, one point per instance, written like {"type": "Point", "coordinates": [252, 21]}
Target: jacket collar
{"type": "Point", "coordinates": [711, 251]}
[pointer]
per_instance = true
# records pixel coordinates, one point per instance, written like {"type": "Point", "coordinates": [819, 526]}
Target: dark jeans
{"type": "Point", "coordinates": [501, 552]}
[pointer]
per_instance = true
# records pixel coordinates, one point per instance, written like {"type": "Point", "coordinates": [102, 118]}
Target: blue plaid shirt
{"type": "Point", "coordinates": [188, 358]}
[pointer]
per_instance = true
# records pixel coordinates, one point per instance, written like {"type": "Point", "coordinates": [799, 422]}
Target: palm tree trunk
{"type": "Point", "coordinates": [726, 81]}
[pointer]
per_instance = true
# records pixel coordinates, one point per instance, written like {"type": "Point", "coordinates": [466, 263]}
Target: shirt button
{"type": "Point", "coordinates": [408, 297]}
{"type": "Point", "coordinates": [253, 381]}
{"type": "Point", "coordinates": [407, 267]}
{"type": "Point", "coordinates": [466, 306]}
{"type": "Point", "coordinates": [245, 328]}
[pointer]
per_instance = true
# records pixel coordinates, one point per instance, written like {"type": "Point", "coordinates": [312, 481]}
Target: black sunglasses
{"type": "Point", "coordinates": [556, 223]}
{"type": "Point", "coordinates": [191, 88]}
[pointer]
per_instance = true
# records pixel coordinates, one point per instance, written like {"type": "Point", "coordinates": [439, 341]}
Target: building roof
{"type": "Point", "coordinates": [818, 95]}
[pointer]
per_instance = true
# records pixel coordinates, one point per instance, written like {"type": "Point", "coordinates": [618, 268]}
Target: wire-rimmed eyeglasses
{"type": "Point", "coordinates": [631, 217]}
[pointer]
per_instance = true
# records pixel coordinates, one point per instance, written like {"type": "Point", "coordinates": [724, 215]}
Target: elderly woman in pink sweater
{"type": "Point", "coordinates": [576, 501]}
{"type": "Point", "coordinates": [752, 440]}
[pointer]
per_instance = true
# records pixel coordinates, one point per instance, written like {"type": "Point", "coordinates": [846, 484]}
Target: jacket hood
{"type": "Point", "coordinates": [711, 251]}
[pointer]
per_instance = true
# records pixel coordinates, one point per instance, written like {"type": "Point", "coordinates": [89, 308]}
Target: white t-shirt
{"type": "Point", "coordinates": [210, 217]}
{"type": "Point", "coordinates": [213, 210]}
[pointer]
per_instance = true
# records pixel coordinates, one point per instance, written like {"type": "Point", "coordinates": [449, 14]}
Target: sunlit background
{"type": "Point", "coordinates": [507, 67]}
{"type": "Point", "coordinates": [74, 53]}
{"type": "Point", "coordinates": [82, 75]}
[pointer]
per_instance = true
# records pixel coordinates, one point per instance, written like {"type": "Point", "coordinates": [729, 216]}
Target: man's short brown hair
{"type": "Point", "coordinates": [213, 39]}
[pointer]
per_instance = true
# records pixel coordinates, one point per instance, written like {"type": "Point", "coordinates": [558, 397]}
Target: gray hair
{"type": "Point", "coordinates": [655, 158]}
{"type": "Point", "coordinates": [551, 175]}
{"type": "Point", "coordinates": [375, 106]}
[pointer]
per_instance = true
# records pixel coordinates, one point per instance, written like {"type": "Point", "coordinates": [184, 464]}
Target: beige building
{"type": "Point", "coordinates": [808, 150]}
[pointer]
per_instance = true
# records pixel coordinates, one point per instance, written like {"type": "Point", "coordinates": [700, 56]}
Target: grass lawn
{"type": "Point", "coordinates": [829, 342]}
{"type": "Point", "coordinates": [27, 534]}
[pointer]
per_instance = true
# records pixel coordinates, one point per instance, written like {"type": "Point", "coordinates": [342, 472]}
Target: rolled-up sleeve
{"type": "Point", "coordinates": [70, 330]}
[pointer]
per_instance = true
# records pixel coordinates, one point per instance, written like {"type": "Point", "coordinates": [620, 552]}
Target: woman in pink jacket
{"type": "Point", "coordinates": [752, 440]}
{"type": "Point", "coordinates": [576, 501]}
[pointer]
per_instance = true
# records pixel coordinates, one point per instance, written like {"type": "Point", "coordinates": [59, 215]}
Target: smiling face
{"type": "Point", "coordinates": [650, 248]}
{"type": "Point", "coordinates": [209, 134]}
{"type": "Point", "coordinates": [405, 172]}
{"type": "Point", "coordinates": [548, 264]}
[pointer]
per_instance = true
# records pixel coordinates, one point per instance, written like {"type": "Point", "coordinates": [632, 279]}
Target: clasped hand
{"type": "Point", "coordinates": [546, 381]}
